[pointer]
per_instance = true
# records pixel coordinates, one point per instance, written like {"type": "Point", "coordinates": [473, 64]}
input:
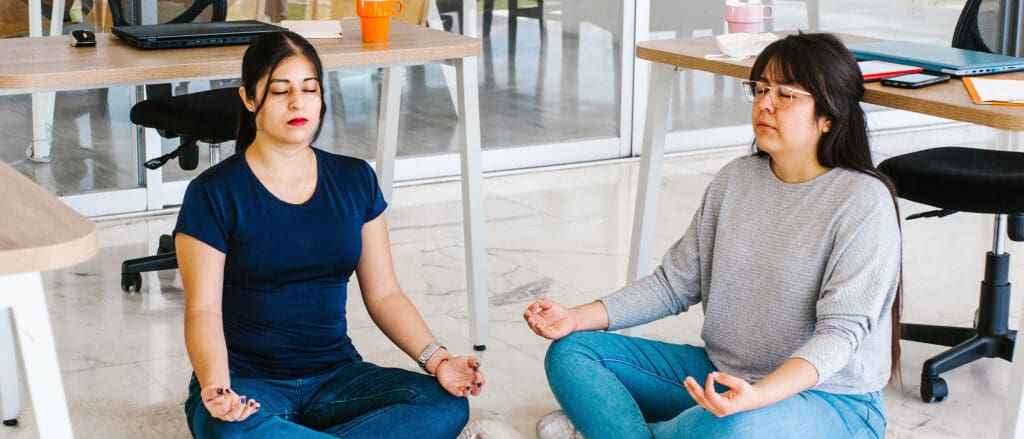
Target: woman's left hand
{"type": "Point", "coordinates": [741, 396]}
{"type": "Point", "coordinates": [460, 376]}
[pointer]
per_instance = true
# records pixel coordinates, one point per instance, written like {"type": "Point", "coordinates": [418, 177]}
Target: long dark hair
{"type": "Point", "coordinates": [821, 64]}
{"type": "Point", "coordinates": [261, 59]}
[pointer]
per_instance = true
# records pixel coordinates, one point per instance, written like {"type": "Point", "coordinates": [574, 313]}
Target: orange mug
{"type": "Point", "coordinates": [375, 18]}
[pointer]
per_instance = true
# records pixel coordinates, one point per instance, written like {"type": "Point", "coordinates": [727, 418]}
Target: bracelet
{"type": "Point", "coordinates": [439, 363]}
{"type": "Point", "coordinates": [428, 352]}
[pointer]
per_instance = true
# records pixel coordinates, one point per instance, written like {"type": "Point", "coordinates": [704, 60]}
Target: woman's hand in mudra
{"type": "Point", "coordinates": [549, 319]}
{"type": "Point", "coordinates": [740, 397]}
{"type": "Point", "coordinates": [226, 405]}
{"type": "Point", "coordinates": [460, 376]}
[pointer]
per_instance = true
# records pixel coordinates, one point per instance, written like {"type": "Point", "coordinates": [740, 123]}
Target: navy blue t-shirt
{"type": "Point", "coordinates": [287, 265]}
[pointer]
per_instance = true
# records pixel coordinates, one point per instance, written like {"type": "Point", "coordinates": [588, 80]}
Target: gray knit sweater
{"type": "Point", "coordinates": [805, 270]}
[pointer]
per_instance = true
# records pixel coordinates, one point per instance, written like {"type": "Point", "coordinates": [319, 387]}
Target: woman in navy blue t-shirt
{"type": "Point", "coordinates": [266, 243]}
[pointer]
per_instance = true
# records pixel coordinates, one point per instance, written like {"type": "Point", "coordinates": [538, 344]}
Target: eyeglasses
{"type": "Point", "coordinates": [780, 95]}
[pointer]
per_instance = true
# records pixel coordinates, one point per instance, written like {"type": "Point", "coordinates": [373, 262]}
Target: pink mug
{"type": "Point", "coordinates": [746, 17]}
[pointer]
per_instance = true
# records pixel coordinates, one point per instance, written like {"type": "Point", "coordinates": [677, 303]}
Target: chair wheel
{"type": "Point", "coordinates": [10, 422]}
{"type": "Point", "coordinates": [130, 282]}
{"type": "Point", "coordinates": [933, 389]}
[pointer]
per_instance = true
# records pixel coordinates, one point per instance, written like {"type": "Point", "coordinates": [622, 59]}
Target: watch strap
{"type": "Point", "coordinates": [428, 352]}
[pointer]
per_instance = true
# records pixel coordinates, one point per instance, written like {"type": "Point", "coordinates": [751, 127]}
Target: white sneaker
{"type": "Point", "coordinates": [556, 425]}
{"type": "Point", "coordinates": [489, 429]}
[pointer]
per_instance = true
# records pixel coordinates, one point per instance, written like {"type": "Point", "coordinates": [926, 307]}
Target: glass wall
{"type": "Point", "coordinates": [558, 84]}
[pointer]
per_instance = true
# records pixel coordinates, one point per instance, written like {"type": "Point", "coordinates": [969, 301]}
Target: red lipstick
{"type": "Point", "coordinates": [298, 121]}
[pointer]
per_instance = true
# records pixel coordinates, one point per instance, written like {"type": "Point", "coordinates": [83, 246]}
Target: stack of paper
{"type": "Point", "coordinates": [993, 91]}
{"type": "Point", "coordinates": [314, 28]}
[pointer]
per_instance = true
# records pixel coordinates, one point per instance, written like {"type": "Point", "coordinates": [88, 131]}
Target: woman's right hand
{"type": "Point", "coordinates": [226, 405]}
{"type": "Point", "coordinates": [549, 319]}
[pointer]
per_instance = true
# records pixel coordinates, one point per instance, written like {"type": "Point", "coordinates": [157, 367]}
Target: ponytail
{"type": "Point", "coordinates": [245, 131]}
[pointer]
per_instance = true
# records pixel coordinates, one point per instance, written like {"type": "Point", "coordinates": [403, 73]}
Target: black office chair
{"type": "Point", "coordinates": [210, 117]}
{"type": "Point", "coordinates": [514, 12]}
{"type": "Point", "coordinates": [958, 179]}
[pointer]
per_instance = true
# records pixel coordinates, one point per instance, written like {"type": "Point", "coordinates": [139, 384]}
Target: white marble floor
{"type": "Point", "coordinates": [557, 233]}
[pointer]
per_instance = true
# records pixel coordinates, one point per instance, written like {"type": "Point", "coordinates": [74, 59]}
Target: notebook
{"type": "Point", "coordinates": [875, 70]}
{"type": "Point", "coordinates": [956, 62]}
{"type": "Point", "coordinates": [314, 28]}
{"type": "Point", "coordinates": [995, 91]}
{"type": "Point", "coordinates": [177, 35]}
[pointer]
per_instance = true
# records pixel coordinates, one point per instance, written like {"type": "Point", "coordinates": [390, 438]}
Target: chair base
{"type": "Point", "coordinates": [968, 346]}
{"type": "Point", "coordinates": [989, 338]}
{"type": "Point", "coordinates": [164, 259]}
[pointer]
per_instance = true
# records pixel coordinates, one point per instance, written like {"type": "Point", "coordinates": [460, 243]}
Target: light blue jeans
{"type": "Point", "coordinates": [614, 386]}
{"type": "Point", "coordinates": [358, 399]}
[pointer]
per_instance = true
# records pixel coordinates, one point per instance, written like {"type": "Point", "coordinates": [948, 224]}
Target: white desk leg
{"type": "Point", "coordinates": [472, 200]}
{"type": "Point", "coordinates": [387, 128]}
{"type": "Point", "coordinates": [147, 145]}
{"type": "Point", "coordinates": [434, 22]}
{"type": "Point", "coordinates": [9, 400]}
{"type": "Point", "coordinates": [151, 148]}
{"type": "Point", "coordinates": [24, 294]}
{"type": "Point", "coordinates": [651, 155]}
{"type": "Point", "coordinates": [42, 127]}
{"type": "Point", "coordinates": [469, 19]}
{"type": "Point", "coordinates": [652, 152]}
{"type": "Point", "coordinates": [43, 103]}
{"type": "Point", "coordinates": [1013, 409]}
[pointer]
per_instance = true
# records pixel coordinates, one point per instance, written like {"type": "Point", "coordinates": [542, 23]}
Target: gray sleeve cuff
{"type": "Point", "coordinates": [827, 353]}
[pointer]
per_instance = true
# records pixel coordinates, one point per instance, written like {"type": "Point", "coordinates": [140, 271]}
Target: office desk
{"type": "Point", "coordinates": [48, 64]}
{"type": "Point", "coordinates": [37, 232]}
{"type": "Point", "coordinates": [948, 100]}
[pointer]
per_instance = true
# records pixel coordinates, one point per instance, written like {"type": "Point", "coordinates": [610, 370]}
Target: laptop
{"type": "Point", "coordinates": [178, 35]}
{"type": "Point", "coordinates": [956, 62]}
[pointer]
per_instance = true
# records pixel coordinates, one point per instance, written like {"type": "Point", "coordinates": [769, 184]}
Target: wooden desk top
{"type": "Point", "coordinates": [948, 100]}
{"type": "Point", "coordinates": [38, 232]}
{"type": "Point", "coordinates": [49, 63]}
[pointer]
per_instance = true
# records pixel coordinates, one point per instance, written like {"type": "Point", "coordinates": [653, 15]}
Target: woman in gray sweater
{"type": "Point", "coordinates": [794, 256]}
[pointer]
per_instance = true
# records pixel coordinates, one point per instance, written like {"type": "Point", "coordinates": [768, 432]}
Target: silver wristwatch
{"type": "Point", "coordinates": [428, 352]}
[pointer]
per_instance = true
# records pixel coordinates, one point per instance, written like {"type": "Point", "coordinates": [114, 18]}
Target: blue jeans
{"type": "Point", "coordinates": [614, 386]}
{"type": "Point", "coordinates": [357, 399]}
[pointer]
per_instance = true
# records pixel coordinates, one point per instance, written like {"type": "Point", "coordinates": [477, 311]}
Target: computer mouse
{"type": "Point", "coordinates": [82, 38]}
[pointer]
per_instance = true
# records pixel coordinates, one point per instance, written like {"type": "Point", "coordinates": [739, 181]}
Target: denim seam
{"type": "Point", "coordinates": [284, 414]}
{"type": "Point", "coordinates": [322, 405]}
{"type": "Point", "coordinates": [362, 419]}
{"type": "Point", "coordinates": [645, 371]}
